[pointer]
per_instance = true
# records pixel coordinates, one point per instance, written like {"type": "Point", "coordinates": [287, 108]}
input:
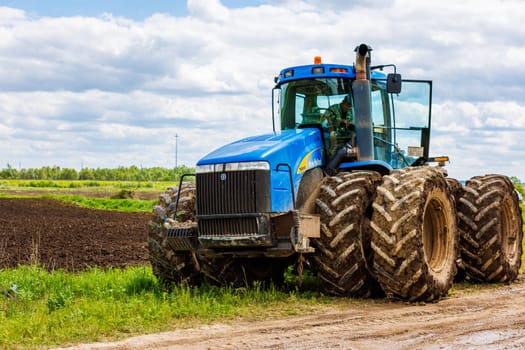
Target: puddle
{"type": "Point", "coordinates": [493, 337]}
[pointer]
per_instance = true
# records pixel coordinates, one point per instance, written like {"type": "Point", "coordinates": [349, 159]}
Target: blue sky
{"type": "Point", "coordinates": [110, 83]}
{"type": "Point", "coordinates": [133, 9]}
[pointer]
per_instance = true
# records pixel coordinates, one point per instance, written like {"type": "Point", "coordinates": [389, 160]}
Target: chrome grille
{"type": "Point", "coordinates": [226, 227]}
{"type": "Point", "coordinates": [222, 198]}
{"type": "Point", "coordinates": [234, 192]}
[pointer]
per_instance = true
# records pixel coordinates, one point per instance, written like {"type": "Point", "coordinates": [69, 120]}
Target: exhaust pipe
{"type": "Point", "coordinates": [361, 87]}
{"type": "Point", "coordinates": [362, 62]}
{"type": "Point", "coordinates": [362, 104]}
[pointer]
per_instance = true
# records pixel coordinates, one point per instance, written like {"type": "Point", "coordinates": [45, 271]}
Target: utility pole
{"type": "Point", "coordinates": [176, 150]}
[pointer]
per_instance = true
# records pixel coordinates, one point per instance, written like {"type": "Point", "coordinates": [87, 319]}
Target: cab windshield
{"type": "Point", "coordinates": [305, 101]}
{"type": "Point", "coordinates": [400, 122]}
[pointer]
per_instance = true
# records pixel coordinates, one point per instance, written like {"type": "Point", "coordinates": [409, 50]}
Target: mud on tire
{"type": "Point", "coordinates": [339, 260]}
{"type": "Point", "coordinates": [490, 224]}
{"type": "Point", "coordinates": [168, 265]}
{"type": "Point", "coordinates": [243, 272]}
{"type": "Point", "coordinates": [414, 234]}
{"type": "Point", "coordinates": [457, 190]}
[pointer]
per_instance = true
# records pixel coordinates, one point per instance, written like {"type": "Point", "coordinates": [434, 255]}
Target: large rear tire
{"type": "Point", "coordinates": [491, 230]}
{"type": "Point", "coordinates": [340, 258]}
{"type": "Point", "coordinates": [414, 234]}
{"type": "Point", "coordinates": [171, 266]}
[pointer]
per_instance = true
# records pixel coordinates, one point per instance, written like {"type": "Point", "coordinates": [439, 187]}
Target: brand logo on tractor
{"type": "Point", "coordinates": [223, 177]}
{"type": "Point", "coordinates": [311, 160]}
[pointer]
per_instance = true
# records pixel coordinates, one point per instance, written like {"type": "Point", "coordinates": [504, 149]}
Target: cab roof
{"type": "Point", "coordinates": [323, 70]}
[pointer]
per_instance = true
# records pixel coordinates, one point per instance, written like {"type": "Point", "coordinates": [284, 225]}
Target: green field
{"type": "Point", "coordinates": [86, 185]}
{"type": "Point", "coordinates": [109, 195]}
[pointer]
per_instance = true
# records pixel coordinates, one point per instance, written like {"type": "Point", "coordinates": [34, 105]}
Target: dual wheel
{"type": "Point", "coordinates": [414, 234]}
{"type": "Point", "coordinates": [411, 229]}
{"type": "Point", "coordinates": [403, 226]}
{"type": "Point", "coordinates": [490, 224]}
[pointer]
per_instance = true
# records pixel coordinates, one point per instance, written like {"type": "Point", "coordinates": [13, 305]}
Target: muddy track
{"type": "Point", "coordinates": [489, 319]}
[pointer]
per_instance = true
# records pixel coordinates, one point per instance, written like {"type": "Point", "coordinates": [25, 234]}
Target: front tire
{"type": "Point", "coordinates": [168, 265]}
{"type": "Point", "coordinates": [414, 234]}
{"type": "Point", "coordinates": [340, 258]}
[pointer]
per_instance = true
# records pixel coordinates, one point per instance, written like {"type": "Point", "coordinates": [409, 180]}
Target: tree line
{"type": "Point", "coordinates": [132, 173]}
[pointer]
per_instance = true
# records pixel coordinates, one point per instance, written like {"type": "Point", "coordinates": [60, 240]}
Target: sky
{"type": "Point", "coordinates": [103, 84]}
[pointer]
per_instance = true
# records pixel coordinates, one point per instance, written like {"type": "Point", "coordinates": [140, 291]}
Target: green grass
{"type": "Point", "coordinates": [76, 192]}
{"type": "Point", "coordinates": [81, 187]}
{"type": "Point", "coordinates": [41, 308]}
{"type": "Point", "coordinates": [59, 187]}
{"type": "Point", "coordinates": [128, 205]}
{"type": "Point", "coordinates": [78, 184]}
{"type": "Point", "coordinates": [523, 241]}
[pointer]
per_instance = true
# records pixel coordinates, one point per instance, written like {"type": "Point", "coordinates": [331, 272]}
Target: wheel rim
{"type": "Point", "coordinates": [509, 232]}
{"type": "Point", "coordinates": [436, 231]}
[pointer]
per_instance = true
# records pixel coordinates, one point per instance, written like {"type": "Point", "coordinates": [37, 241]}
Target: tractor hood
{"type": "Point", "coordinates": [301, 149]}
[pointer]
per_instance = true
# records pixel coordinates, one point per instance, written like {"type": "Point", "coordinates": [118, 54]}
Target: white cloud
{"type": "Point", "coordinates": [209, 10]}
{"type": "Point", "coordinates": [480, 137]}
{"type": "Point", "coordinates": [108, 88]}
{"type": "Point", "coordinates": [11, 16]}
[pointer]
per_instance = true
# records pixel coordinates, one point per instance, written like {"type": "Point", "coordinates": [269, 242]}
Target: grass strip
{"type": "Point", "coordinates": [39, 308]}
{"type": "Point", "coordinates": [126, 205]}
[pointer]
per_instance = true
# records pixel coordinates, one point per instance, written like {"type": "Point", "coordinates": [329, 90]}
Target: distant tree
{"type": "Point", "coordinates": [102, 174]}
{"type": "Point", "coordinates": [86, 174]}
{"type": "Point", "coordinates": [9, 173]}
{"type": "Point", "coordinates": [28, 174]}
{"type": "Point", "coordinates": [132, 173]}
{"type": "Point", "coordinates": [68, 174]}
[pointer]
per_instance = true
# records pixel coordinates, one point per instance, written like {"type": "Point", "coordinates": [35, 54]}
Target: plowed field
{"type": "Point", "coordinates": [58, 235]}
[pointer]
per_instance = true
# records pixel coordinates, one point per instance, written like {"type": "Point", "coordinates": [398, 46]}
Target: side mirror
{"type": "Point", "coordinates": [393, 83]}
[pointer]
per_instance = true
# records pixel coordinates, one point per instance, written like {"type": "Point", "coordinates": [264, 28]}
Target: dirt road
{"type": "Point", "coordinates": [486, 319]}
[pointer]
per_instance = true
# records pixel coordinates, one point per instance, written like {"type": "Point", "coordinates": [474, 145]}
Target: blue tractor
{"type": "Point", "coordinates": [343, 184]}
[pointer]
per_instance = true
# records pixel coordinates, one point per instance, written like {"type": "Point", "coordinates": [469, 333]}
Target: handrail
{"type": "Point", "coordinates": [178, 193]}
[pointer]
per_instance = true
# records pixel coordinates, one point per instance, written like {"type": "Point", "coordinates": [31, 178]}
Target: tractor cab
{"type": "Point", "coordinates": [305, 97]}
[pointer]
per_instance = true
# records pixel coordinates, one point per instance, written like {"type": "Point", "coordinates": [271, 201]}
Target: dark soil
{"type": "Point", "coordinates": [62, 236]}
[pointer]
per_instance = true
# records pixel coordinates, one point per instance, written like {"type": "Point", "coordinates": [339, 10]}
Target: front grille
{"type": "Point", "coordinates": [226, 227]}
{"type": "Point", "coordinates": [222, 198]}
{"type": "Point", "coordinates": [182, 238]}
{"type": "Point", "coordinates": [233, 192]}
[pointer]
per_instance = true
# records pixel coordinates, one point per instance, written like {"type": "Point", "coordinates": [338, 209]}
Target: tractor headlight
{"type": "Point", "coordinates": [247, 166]}
{"type": "Point", "coordinates": [207, 168]}
{"type": "Point", "coordinates": [237, 166]}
